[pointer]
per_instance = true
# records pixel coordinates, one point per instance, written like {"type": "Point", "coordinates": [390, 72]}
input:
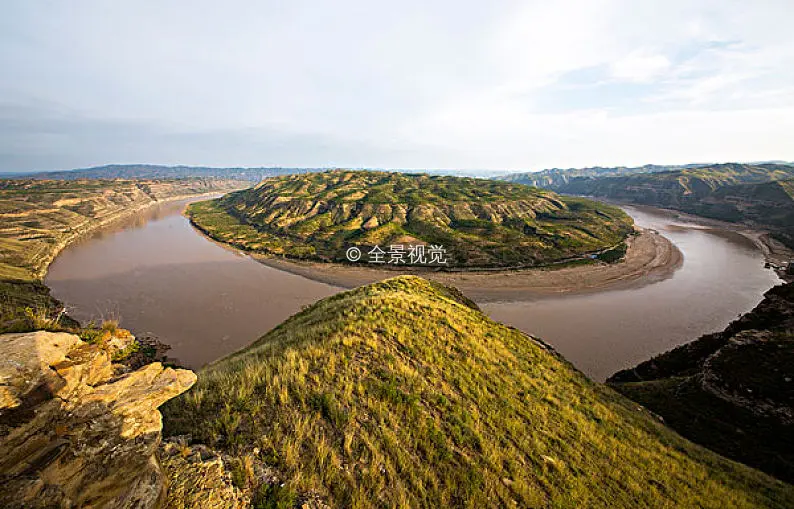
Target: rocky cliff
{"type": "Point", "coordinates": [732, 391]}
{"type": "Point", "coordinates": [76, 429]}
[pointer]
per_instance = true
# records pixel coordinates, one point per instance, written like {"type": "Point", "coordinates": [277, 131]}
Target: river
{"type": "Point", "coordinates": [159, 277]}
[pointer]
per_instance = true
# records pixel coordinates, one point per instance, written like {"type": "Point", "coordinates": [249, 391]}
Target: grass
{"type": "Point", "coordinates": [403, 394]}
{"type": "Point", "coordinates": [480, 223]}
{"type": "Point", "coordinates": [28, 305]}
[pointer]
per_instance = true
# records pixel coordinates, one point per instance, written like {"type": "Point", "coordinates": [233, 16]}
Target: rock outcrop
{"type": "Point", "coordinates": [77, 430]}
{"type": "Point", "coordinates": [731, 391]}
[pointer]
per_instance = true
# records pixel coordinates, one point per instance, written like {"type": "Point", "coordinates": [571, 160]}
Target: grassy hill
{"type": "Point", "coordinates": [557, 177]}
{"type": "Point", "coordinates": [732, 391]}
{"type": "Point", "coordinates": [758, 194]}
{"type": "Point", "coordinates": [403, 394]}
{"type": "Point", "coordinates": [480, 223]}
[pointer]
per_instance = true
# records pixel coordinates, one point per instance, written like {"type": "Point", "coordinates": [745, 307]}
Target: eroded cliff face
{"type": "Point", "coordinates": [77, 430]}
{"type": "Point", "coordinates": [731, 391]}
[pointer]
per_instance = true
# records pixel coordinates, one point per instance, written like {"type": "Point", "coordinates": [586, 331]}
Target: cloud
{"type": "Point", "coordinates": [443, 84]}
{"type": "Point", "coordinates": [639, 66]}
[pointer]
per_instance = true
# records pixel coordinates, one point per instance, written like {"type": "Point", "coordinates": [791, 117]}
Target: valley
{"type": "Point", "coordinates": [358, 375]}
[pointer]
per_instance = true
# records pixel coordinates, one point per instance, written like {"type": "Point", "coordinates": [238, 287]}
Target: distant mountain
{"type": "Point", "coordinates": [758, 194]}
{"type": "Point", "coordinates": [150, 171]}
{"type": "Point", "coordinates": [556, 177]}
{"type": "Point", "coordinates": [675, 188]}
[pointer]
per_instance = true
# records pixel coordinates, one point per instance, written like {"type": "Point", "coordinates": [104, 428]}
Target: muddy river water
{"type": "Point", "coordinates": [160, 277]}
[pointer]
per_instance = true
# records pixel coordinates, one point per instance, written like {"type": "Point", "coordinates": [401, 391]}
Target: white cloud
{"type": "Point", "coordinates": [640, 66]}
{"type": "Point", "coordinates": [447, 83]}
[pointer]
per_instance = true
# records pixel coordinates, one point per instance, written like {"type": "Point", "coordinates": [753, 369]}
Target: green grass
{"type": "Point", "coordinates": [403, 394]}
{"type": "Point", "coordinates": [480, 223]}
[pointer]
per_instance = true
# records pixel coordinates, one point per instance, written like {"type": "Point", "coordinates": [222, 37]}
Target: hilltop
{"type": "Point", "coordinates": [759, 195]}
{"type": "Point", "coordinates": [479, 223]}
{"type": "Point", "coordinates": [732, 391]}
{"type": "Point", "coordinates": [402, 393]}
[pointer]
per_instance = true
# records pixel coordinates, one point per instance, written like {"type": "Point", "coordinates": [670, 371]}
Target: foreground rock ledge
{"type": "Point", "coordinates": [77, 430]}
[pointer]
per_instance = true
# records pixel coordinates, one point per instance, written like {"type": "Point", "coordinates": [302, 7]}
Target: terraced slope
{"type": "Point", "coordinates": [403, 394]}
{"type": "Point", "coordinates": [480, 223]}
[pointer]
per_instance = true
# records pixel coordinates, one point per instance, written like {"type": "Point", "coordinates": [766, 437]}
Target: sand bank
{"type": "Point", "coordinates": [650, 257]}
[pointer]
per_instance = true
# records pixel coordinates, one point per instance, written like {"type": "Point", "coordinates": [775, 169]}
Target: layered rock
{"type": "Point", "coordinates": [77, 430]}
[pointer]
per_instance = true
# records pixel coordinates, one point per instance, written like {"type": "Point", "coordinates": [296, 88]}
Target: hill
{"type": "Point", "coordinates": [732, 391]}
{"type": "Point", "coordinates": [479, 223]}
{"type": "Point", "coordinates": [403, 394]}
{"type": "Point", "coordinates": [676, 188]}
{"type": "Point", "coordinates": [556, 177]}
{"type": "Point", "coordinates": [759, 195]}
{"type": "Point", "coordinates": [154, 171]}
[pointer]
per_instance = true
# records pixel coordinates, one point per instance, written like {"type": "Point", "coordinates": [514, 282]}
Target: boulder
{"type": "Point", "coordinates": [74, 431]}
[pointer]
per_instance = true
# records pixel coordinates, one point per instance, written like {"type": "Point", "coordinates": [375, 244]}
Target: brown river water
{"type": "Point", "coordinates": [160, 277]}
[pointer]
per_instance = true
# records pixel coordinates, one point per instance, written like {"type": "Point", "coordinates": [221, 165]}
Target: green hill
{"type": "Point", "coordinates": [480, 223]}
{"type": "Point", "coordinates": [403, 394]}
{"type": "Point", "coordinates": [760, 194]}
{"type": "Point", "coordinates": [732, 391]}
{"type": "Point", "coordinates": [556, 177]}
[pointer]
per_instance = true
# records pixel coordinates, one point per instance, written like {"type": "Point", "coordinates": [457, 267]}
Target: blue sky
{"type": "Point", "coordinates": [444, 84]}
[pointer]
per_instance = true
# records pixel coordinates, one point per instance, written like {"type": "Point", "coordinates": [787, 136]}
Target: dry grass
{"type": "Point", "coordinates": [403, 394]}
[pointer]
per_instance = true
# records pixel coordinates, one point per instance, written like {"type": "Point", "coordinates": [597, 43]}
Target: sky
{"type": "Point", "coordinates": [522, 85]}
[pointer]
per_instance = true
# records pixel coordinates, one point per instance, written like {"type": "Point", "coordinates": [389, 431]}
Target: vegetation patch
{"type": "Point", "coordinates": [479, 223]}
{"type": "Point", "coordinates": [403, 394]}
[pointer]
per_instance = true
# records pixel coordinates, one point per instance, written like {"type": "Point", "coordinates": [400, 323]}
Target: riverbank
{"type": "Point", "coordinates": [39, 219]}
{"type": "Point", "coordinates": [156, 273]}
{"type": "Point", "coordinates": [91, 227]}
{"type": "Point", "coordinates": [776, 254]}
{"type": "Point", "coordinates": [650, 257]}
